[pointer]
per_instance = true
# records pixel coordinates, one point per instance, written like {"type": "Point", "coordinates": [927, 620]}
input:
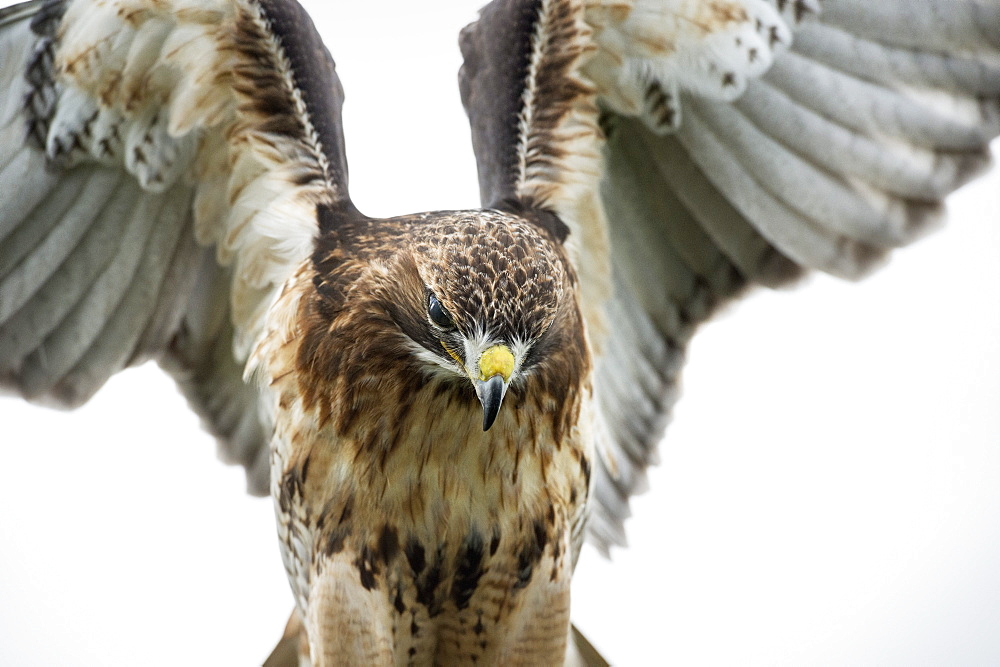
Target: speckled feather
{"type": "Point", "coordinates": [385, 482]}
{"type": "Point", "coordinates": [641, 163]}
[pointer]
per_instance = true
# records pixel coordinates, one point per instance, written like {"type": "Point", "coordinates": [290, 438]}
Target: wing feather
{"type": "Point", "coordinates": [726, 166]}
{"type": "Point", "coordinates": [53, 360]}
{"type": "Point", "coordinates": [31, 194]}
{"type": "Point", "coordinates": [199, 357]}
{"type": "Point", "coordinates": [870, 60]}
{"type": "Point", "coordinates": [795, 234]}
{"type": "Point", "coordinates": [100, 197]}
{"type": "Point", "coordinates": [698, 198]}
{"type": "Point", "coordinates": [117, 342]}
{"type": "Point", "coordinates": [68, 283]}
{"type": "Point", "coordinates": [34, 214]}
{"type": "Point", "coordinates": [938, 25]}
{"type": "Point", "coordinates": [177, 288]}
{"type": "Point", "coordinates": [827, 200]}
{"type": "Point", "coordinates": [906, 171]}
{"type": "Point", "coordinates": [880, 111]}
{"type": "Point", "coordinates": [148, 141]}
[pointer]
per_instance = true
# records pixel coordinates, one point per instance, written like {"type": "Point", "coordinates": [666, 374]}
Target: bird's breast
{"type": "Point", "coordinates": [453, 536]}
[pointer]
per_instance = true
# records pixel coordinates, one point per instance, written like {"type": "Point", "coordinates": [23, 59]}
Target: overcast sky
{"type": "Point", "coordinates": [828, 491]}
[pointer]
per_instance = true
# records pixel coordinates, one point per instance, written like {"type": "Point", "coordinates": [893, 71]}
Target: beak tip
{"type": "Point", "coordinates": [491, 393]}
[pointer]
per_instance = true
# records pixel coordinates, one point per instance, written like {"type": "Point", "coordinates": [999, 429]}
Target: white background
{"type": "Point", "coordinates": [829, 491]}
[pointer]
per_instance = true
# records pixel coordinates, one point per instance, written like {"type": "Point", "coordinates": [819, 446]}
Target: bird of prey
{"type": "Point", "coordinates": [438, 388]}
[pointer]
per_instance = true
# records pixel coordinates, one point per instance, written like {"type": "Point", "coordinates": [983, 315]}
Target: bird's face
{"type": "Point", "coordinates": [493, 287]}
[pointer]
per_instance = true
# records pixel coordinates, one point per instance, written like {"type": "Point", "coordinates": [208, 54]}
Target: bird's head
{"type": "Point", "coordinates": [478, 302]}
{"type": "Point", "coordinates": [493, 296]}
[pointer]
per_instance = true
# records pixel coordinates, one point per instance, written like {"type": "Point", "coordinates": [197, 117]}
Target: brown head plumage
{"type": "Point", "coordinates": [429, 299]}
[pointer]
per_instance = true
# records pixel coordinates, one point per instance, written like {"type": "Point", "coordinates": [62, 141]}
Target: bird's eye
{"type": "Point", "coordinates": [438, 314]}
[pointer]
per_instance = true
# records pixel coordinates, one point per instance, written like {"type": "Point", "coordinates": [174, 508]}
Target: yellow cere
{"type": "Point", "coordinates": [498, 360]}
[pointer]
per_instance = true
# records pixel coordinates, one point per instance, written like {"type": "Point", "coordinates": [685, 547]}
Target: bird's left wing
{"type": "Point", "coordinates": [695, 148]}
{"type": "Point", "coordinates": [164, 167]}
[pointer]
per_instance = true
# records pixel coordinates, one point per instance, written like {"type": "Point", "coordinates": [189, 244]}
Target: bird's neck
{"type": "Point", "coordinates": [425, 463]}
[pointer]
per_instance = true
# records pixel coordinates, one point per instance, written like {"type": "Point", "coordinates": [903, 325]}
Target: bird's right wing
{"type": "Point", "coordinates": [164, 168]}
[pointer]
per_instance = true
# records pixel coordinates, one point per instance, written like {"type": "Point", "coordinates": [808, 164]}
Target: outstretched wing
{"type": "Point", "coordinates": [695, 149]}
{"type": "Point", "coordinates": [161, 164]}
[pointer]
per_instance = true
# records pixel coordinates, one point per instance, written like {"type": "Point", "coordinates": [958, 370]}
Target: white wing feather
{"type": "Point", "coordinates": [138, 138]}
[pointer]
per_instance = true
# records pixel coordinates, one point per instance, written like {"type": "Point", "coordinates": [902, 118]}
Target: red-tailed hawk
{"type": "Point", "coordinates": [622, 327]}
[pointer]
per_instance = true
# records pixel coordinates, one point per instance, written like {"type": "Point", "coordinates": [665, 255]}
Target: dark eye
{"type": "Point", "coordinates": [438, 314]}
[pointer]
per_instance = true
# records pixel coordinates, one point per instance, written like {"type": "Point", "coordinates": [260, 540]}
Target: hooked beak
{"type": "Point", "coordinates": [496, 366]}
